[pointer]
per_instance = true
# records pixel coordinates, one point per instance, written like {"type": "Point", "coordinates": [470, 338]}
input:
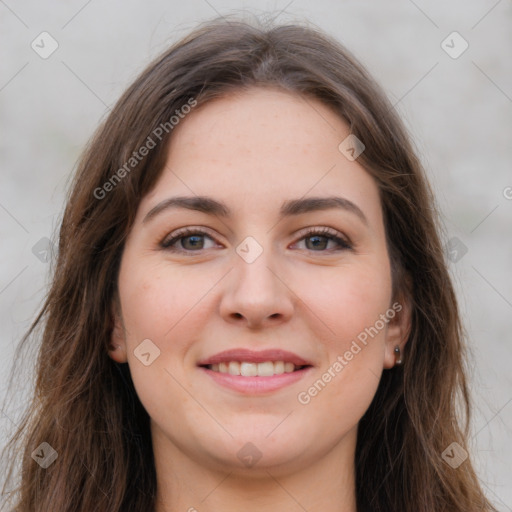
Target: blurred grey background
{"type": "Point", "coordinates": [454, 92]}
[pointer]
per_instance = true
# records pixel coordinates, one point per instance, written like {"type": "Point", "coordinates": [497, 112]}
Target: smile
{"type": "Point", "coordinates": [247, 369]}
{"type": "Point", "coordinates": [255, 372]}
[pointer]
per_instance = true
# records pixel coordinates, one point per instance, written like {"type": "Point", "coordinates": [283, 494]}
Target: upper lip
{"type": "Point", "coordinates": [252, 356]}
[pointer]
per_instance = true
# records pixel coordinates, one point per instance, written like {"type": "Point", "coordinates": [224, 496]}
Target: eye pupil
{"type": "Point", "coordinates": [194, 244]}
{"type": "Point", "coordinates": [316, 241]}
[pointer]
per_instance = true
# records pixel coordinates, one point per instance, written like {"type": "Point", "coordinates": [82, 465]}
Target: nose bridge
{"type": "Point", "coordinates": [253, 270]}
{"type": "Point", "coordinates": [255, 290]}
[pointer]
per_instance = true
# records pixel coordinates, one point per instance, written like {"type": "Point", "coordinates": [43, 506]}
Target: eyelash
{"type": "Point", "coordinates": [186, 232]}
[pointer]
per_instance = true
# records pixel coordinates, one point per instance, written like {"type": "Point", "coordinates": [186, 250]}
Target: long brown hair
{"type": "Point", "coordinates": [85, 405]}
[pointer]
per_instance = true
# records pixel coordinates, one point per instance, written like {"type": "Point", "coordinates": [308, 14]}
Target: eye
{"type": "Point", "coordinates": [193, 240]}
{"type": "Point", "coordinates": [189, 240]}
{"type": "Point", "coordinates": [319, 239]}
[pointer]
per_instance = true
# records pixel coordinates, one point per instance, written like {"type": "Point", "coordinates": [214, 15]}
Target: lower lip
{"type": "Point", "coordinates": [256, 385]}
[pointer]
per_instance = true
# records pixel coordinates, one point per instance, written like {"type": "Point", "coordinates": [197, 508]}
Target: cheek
{"type": "Point", "coordinates": [348, 300]}
{"type": "Point", "coordinates": [354, 348]}
{"type": "Point", "coordinates": [167, 306]}
{"type": "Point", "coordinates": [156, 301]}
{"type": "Point", "coordinates": [156, 305]}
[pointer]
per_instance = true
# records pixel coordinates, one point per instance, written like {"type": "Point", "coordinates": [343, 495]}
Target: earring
{"type": "Point", "coordinates": [398, 356]}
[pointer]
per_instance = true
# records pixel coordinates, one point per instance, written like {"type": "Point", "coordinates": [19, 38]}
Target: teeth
{"type": "Point", "coordinates": [234, 368]}
{"type": "Point", "coordinates": [288, 367]}
{"type": "Point", "coordinates": [278, 367]}
{"type": "Point", "coordinates": [245, 369]}
{"type": "Point", "coordinates": [266, 369]}
{"type": "Point", "coordinates": [248, 369]}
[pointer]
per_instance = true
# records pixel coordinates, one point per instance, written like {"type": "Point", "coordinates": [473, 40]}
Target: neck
{"type": "Point", "coordinates": [184, 485]}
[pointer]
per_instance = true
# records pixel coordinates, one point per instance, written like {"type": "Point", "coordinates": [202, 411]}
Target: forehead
{"type": "Point", "coordinates": [256, 148]}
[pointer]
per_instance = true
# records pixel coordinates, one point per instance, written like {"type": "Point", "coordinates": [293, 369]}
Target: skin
{"type": "Point", "coordinates": [254, 150]}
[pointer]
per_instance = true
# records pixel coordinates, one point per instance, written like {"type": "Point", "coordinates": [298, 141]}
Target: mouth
{"type": "Point", "coordinates": [248, 371]}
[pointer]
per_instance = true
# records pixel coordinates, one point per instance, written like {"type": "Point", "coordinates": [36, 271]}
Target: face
{"type": "Point", "coordinates": [260, 334]}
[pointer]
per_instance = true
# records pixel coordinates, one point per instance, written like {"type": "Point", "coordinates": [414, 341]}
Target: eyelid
{"type": "Point", "coordinates": [183, 233]}
{"type": "Point", "coordinates": [340, 238]}
{"type": "Point", "coordinates": [323, 230]}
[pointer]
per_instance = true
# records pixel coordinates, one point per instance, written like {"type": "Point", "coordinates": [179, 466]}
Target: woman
{"type": "Point", "coordinates": [251, 308]}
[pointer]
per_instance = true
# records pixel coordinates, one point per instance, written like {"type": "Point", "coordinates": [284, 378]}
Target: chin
{"type": "Point", "coordinates": [251, 460]}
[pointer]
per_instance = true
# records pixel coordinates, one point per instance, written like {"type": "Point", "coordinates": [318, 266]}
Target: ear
{"type": "Point", "coordinates": [117, 345]}
{"type": "Point", "coordinates": [398, 329]}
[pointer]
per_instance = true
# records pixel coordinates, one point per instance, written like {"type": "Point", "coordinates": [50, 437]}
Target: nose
{"type": "Point", "coordinates": [256, 294]}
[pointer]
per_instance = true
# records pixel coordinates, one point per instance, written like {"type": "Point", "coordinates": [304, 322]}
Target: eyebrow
{"type": "Point", "coordinates": [289, 208]}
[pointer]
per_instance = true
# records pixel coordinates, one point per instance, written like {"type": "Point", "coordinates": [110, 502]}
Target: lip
{"type": "Point", "coordinates": [255, 385]}
{"type": "Point", "coordinates": [252, 356]}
